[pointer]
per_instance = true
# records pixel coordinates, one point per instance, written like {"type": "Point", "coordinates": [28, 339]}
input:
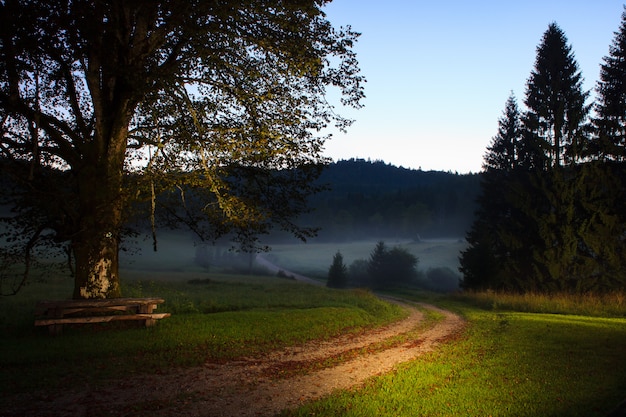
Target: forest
{"type": "Point", "coordinates": [371, 199]}
{"type": "Point", "coordinates": [551, 212]}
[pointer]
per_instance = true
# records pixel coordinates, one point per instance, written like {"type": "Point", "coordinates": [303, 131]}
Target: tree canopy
{"type": "Point", "coordinates": [203, 113]}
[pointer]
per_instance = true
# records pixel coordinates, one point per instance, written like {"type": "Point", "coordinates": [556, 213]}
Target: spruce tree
{"type": "Point", "coordinates": [557, 113]}
{"type": "Point", "coordinates": [501, 156]}
{"type": "Point", "coordinates": [556, 121]}
{"type": "Point", "coordinates": [604, 180]}
{"type": "Point", "coordinates": [610, 123]}
{"type": "Point", "coordinates": [527, 233]}
{"type": "Point", "coordinates": [483, 261]}
{"type": "Point", "coordinates": [337, 273]}
{"type": "Point", "coordinates": [377, 266]}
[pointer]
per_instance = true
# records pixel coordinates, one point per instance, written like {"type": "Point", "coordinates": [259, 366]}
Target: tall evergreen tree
{"type": "Point", "coordinates": [482, 262]}
{"type": "Point", "coordinates": [605, 179]}
{"type": "Point", "coordinates": [529, 232]}
{"type": "Point", "coordinates": [557, 113]}
{"type": "Point", "coordinates": [610, 122]}
{"type": "Point", "coordinates": [501, 155]}
{"type": "Point", "coordinates": [557, 123]}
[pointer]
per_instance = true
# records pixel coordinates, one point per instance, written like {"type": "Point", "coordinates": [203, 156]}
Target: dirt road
{"type": "Point", "coordinates": [257, 386]}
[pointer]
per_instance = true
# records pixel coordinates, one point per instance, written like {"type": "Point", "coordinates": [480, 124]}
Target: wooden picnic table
{"type": "Point", "coordinates": [55, 314]}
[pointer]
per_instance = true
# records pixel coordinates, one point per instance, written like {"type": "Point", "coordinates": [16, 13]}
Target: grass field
{"type": "Point", "coordinates": [516, 358]}
{"type": "Point", "coordinates": [506, 364]}
{"type": "Point", "coordinates": [213, 318]}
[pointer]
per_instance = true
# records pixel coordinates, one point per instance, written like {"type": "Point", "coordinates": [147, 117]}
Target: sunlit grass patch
{"type": "Point", "coordinates": [507, 364]}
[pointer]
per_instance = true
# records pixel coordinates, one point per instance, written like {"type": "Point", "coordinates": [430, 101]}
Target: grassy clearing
{"type": "Point", "coordinates": [506, 364]}
{"type": "Point", "coordinates": [219, 319]}
{"type": "Point", "coordinates": [517, 358]}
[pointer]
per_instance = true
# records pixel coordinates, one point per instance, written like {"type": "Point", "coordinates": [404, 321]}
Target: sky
{"type": "Point", "coordinates": [439, 72]}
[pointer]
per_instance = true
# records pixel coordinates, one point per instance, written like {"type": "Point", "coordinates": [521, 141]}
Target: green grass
{"type": "Point", "coordinates": [505, 364]}
{"type": "Point", "coordinates": [224, 318]}
{"type": "Point", "coordinates": [516, 357]}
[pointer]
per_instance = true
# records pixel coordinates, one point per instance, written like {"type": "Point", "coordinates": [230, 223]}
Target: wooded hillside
{"type": "Point", "coordinates": [368, 199]}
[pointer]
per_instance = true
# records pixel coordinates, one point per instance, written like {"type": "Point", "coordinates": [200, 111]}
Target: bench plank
{"type": "Point", "coordinates": [99, 302]}
{"type": "Point", "coordinates": [100, 319]}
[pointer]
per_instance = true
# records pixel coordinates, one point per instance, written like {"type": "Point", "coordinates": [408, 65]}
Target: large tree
{"type": "Point", "coordinates": [534, 218]}
{"type": "Point", "coordinates": [219, 104]}
{"type": "Point", "coordinates": [555, 138]}
{"type": "Point", "coordinates": [605, 178]}
{"type": "Point", "coordinates": [485, 259]}
{"type": "Point", "coordinates": [610, 122]}
{"type": "Point", "coordinates": [557, 113]}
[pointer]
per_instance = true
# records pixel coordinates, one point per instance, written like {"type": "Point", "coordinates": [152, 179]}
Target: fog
{"type": "Point", "coordinates": [179, 254]}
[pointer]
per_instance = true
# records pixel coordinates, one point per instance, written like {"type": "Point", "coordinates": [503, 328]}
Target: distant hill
{"type": "Point", "coordinates": [368, 199]}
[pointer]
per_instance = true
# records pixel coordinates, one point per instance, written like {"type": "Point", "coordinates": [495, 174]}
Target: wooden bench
{"type": "Point", "coordinates": [55, 314]}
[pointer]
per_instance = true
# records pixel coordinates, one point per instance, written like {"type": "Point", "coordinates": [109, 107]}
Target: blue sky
{"type": "Point", "coordinates": [439, 72]}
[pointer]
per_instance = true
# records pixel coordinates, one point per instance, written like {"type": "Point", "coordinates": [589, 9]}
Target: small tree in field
{"type": "Point", "coordinates": [337, 273]}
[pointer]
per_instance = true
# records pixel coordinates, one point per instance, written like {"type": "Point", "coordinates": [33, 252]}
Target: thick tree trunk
{"type": "Point", "coordinates": [101, 199]}
{"type": "Point", "coordinates": [96, 246]}
{"type": "Point", "coordinates": [97, 266]}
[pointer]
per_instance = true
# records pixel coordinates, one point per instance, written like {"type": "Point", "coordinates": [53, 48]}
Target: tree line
{"type": "Point", "coordinates": [373, 200]}
{"type": "Point", "coordinates": [552, 207]}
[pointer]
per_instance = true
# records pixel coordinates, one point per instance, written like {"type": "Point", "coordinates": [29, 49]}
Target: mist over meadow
{"type": "Point", "coordinates": [426, 213]}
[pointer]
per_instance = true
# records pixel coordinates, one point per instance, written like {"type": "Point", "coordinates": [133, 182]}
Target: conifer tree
{"type": "Point", "coordinates": [337, 273]}
{"type": "Point", "coordinates": [604, 179]}
{"type": "Point", "coordinates": [527, 233]}
{"type": "Point", "coordinates": [610, 123]}
{"type": "Point", "coordinates": [377, 266]}
{"type": "Point", "coordinates": [483, 261]}
{"type": "Point", "coordinates": [557, 113]}
{"type": "Point", "coordinates": [557, 123]}
{"type": "Point", "coordinates": [501, 156]}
